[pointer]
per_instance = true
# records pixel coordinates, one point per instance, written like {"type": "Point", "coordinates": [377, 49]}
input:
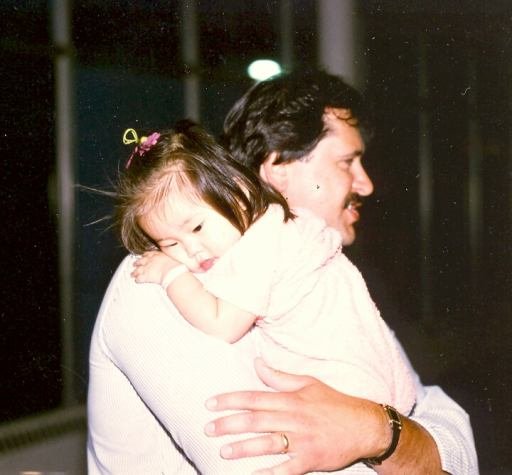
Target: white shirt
{"type": "Point", "coordinates": [316, 316]}
{"type": "Point", "coordinates": [151, 372]}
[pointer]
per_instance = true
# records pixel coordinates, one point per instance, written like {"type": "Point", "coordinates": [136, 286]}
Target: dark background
{"type": "Point", "coordinates": [129, 73]}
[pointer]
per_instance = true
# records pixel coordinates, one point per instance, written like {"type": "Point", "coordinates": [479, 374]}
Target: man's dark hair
{"type": "Point", "coordinates": [284, 115]}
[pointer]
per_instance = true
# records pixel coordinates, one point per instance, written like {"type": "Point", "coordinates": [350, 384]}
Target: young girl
{"type": "Point", "coordinates": [233, 258]}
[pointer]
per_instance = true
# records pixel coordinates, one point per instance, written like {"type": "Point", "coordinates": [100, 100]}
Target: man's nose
{"type": "Point", "coordinates": [362, 183]}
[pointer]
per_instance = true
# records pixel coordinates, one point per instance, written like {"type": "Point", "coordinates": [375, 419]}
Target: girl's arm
{"type": "Point", "coordinates": [207, 312]}
{"type": "Point", "coordinates": [198, 306]}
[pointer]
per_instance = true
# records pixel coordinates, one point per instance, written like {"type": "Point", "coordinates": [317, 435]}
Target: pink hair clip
{"type": "Point", "coordinates": [143, 144]}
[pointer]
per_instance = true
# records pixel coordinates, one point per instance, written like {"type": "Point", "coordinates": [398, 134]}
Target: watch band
{"type": "Point", "coordinates": [395, 423]}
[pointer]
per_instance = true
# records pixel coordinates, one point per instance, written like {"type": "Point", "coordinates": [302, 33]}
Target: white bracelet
{"type": "Point", "coordinates": [174, 273]}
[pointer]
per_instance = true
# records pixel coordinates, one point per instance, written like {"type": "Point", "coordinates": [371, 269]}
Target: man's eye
{"type": "Point", "coordinates": [197, 228]}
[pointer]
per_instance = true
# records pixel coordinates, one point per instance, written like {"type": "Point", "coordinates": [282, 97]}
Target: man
{"type": "Point", "coordinates": [304, 134]}
{"type": "Point", "coordinates": [151, 372]}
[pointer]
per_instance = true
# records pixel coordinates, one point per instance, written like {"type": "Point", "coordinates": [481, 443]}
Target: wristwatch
{"type": "Point", "coordinates": [395, 423]}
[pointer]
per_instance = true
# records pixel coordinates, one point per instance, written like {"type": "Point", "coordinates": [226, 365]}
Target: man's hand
{"type": "Point", "coordinates": [326, 430]}
{"type": "Point", "coordinates": [152, 267]}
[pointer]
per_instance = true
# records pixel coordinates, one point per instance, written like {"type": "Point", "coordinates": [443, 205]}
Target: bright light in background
{"type": "Point", "coordinates": [262, 69]}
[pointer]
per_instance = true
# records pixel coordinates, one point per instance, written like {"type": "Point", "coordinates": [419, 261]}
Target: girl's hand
{"type": "Point", "coordinates": [152, 267]}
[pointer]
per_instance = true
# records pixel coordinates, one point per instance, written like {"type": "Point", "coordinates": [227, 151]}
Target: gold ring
{"type": "Point", "coordinates": [286, 443]}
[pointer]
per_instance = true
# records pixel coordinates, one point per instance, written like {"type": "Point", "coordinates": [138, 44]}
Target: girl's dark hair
{"type": "Point", "coordinates": [188, 159]}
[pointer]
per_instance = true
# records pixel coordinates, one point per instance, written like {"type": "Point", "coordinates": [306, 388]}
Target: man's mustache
{"type": "Point", "coordinates": [353, 200]}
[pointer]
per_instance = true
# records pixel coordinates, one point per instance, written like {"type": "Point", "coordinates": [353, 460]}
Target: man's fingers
{"type": "Point", "coordinates": [256, 421]}
{"type": "Point", "coordinates": [263, 400]}
{"type": "Point", "coordinates": [279, 380]}
{"type": "Point", "coordinates": [268, 444]}
{"type": "Point", "coordinates": [251, 401]}
{"type": "Point", "coordinates": [293, 466]}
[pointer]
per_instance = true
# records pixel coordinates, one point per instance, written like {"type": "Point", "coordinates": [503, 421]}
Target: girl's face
{"type": "Point", "coordinates": [189, 231]}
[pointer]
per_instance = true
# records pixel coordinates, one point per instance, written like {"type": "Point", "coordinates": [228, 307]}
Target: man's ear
{"type": "Point", "coordinates": [274, 174]}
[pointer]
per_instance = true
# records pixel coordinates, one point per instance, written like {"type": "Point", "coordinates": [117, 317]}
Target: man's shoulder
{"type": "Point", "coordinates": [124, 269]}
{"type": "Point", "coordinates": [124, 295]}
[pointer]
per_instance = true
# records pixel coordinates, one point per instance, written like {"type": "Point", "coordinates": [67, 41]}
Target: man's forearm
{"type": "Point", "coordinates": [416, 453]}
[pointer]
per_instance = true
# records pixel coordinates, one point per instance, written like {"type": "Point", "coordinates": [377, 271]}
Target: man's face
{"type": "Point", "coordinates": [330, 181]}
